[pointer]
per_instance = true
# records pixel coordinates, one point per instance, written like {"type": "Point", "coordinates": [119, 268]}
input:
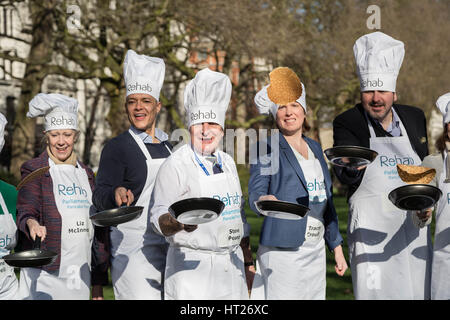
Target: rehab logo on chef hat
{"type": "Point", "coordinates": [206, 97]}
{"type": "Point", "coordinates": [378, 60]}
{"type": "Point", "coordinates": [143, 74]}
{"type": "Point", "coordinates": [58, 110]}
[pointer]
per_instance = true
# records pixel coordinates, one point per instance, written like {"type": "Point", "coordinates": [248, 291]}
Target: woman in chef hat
{"type": "Point", "coordinates": [204, 261]}
{"type": "Point", "coordinates": [55, 207]}
{"type": "Point", "coordinates": [291, 254]}
{"type": "Point", "coordinates": [8, 230]}
{"type": "Point", "coordinates": [440, 277]}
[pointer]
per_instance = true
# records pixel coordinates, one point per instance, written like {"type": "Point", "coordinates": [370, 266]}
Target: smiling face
{"type": "Point", "coordinates": [378, 104]}
{"type": "Point", "coordinates": [290, 118]}
{"type": "Point", "coordinates": [61, 142]}
{"type": "Point", "coordinates": [205, 137]}
{"type": "Point", "coordinates": [142, 109]}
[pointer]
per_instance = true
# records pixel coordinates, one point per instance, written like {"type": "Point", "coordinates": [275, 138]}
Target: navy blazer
{"type": "Point", "coordinates": [288, 184]}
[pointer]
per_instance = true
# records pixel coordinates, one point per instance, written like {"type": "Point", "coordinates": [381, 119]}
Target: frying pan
{"type": "Point", "coordinates": [350, 156]}
{"type": "Point", "coordinates": [415, 196]}
{"type": "Point", "coordinates": [113, 217]}
{"type": "Point", "coordinates": [33, 175]}
{"type": "Point", "coordinates": [281, 209]}
{"type": "Point", "coordinates": [31, 258]}
{"type": "Point", "coordinates": [196, 211]}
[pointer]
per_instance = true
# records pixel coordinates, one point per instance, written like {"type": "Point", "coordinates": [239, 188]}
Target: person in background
{"type": "Point", "coordinates": [440, 277]}
{"type": "Point", "coordinates": [291, 256]}
{"type": "Point", "coordinates": [389, 248]}
{"type": "Point", "coordinates": [126, 175]}
{"type": "Point", "coordinates": [9, 285]}
{"type": "Point", "coordinates": [204, 261]}
{"type": "Point", "coordinates": [56, 206]}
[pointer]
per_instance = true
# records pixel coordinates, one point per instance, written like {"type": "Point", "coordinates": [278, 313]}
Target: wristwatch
{"type": "Point", "coordinates": [248, 264]}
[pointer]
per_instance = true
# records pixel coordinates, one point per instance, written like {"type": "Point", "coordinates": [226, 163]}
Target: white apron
{"type": "Point", "coordinates": [440, 272]}
{"type": "Point", "coordinates": [389, 255]}
{"type": "Point", "coordinates": [297, 273]}
{"type": "Point", "coordinates": [208, 263]}
{"type": "Point", "coordinates": [73, 195]}
{"type": "Point", "coordinates": [138, 253]}
{"type": "Point", "coordinates": [8, 230]}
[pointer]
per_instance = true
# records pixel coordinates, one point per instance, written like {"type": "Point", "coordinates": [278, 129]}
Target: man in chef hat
{"type": "Point", "coordinates": [210, 260]}
{"type": "Point", "coordinates": [383, 240]}
{"type": "Point", "coordinates": [127, 171]}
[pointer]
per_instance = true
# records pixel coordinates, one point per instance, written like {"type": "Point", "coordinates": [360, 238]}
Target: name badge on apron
{"type": "Point", "coordinates": [230, 235]}
{"type": "Point", "coordinates": [315, 184]}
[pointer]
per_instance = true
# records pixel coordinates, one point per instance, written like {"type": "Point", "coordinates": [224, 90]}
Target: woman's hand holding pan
{"type": "Point", "coordinates": [36, 229]}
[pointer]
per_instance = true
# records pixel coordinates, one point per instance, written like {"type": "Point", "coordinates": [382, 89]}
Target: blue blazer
{"type": "Point", "coordinates": [288, 184]}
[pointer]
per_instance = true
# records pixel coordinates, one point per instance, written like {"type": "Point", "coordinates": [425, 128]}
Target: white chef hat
{"type": "Point", "coordinates": [285, 88]}
{"type": "Point", "coordinates": [378, 60]}
{"type": "Point", "coordinates": [3, 123]}
{"type": "Point", "coordinates": [58, 110]}
{"type": "Point", "coordinates": [443, 104]}
{"type": "Point", "coordinates": [206, 97]}
{"type": "Point", "coordinates": [143, 74]}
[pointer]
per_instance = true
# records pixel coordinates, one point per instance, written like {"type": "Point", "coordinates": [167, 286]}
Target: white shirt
{"type": "Point", "coordinates": [159, 134]}
{"type": "Point", "coordinates": [177, 179]}
{"type": "Point", "coordinates": [300, 158]}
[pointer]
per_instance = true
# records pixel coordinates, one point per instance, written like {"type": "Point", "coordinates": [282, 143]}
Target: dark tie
{"type": "Point", "coordinates": [216, 167]}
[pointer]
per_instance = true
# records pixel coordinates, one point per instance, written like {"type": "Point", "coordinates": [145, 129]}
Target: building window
{"type": "Point", "coordinates": [6, 30]}
{"type": "Point", "coordinates": [6, 21]}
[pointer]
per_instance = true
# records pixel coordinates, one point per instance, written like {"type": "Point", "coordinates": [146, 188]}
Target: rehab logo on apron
{"type": "Point", "coordinates": [73, 196]}
{"type": "Point", "coordinates": [232, 206]}
{"type": "Point", "coordinates": [230, 234]}
{"type": "Point", "coordinates": [389, 164]}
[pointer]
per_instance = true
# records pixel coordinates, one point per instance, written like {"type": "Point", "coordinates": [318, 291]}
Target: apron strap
{"type": "Point", "coordinates": [3, 205]}
{"type": "Point", "coordinates": [372, 131]}
{"type": "Point", "coordinates": [142, 146]}
{"type": "Point", "coordinates": [219, 162]}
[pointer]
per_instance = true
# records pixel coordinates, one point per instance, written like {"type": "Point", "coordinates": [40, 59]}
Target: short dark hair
{"type": "Point", "coordinates": [440, 142]}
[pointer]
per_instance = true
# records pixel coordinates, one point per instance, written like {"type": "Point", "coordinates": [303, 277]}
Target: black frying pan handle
{"type": "Point", "coordinates": [37, 242]}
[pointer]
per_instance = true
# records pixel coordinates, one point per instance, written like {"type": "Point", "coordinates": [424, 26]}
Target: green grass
{"type": "Point", "coordinates": [339, 288]}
